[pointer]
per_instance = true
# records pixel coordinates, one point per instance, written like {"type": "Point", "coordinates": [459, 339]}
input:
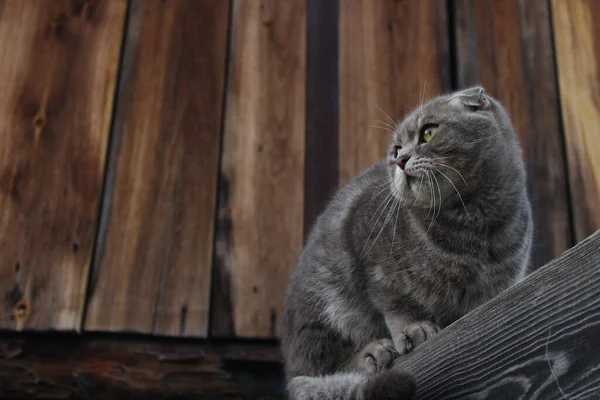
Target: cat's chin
{"type": "Point", "coordinates": [410, 190]}
{"type": "Point", "coordinates": [402, 188]}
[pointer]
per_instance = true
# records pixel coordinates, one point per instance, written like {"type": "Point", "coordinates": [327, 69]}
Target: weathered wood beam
{"type": "Point", "coordinates": [63, 366]}
{"type": "Point", "coordinates": [537, 340]}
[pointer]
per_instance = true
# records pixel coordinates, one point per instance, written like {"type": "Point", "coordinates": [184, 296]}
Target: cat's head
{"type": "Point", "coordinates": [451, 147]}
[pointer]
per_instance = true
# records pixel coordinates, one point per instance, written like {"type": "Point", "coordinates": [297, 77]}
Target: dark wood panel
{"type": "Point", "coordinates": [506, 46]}
{"type": "Point", "coordinates": [537, 340]}
{"type": "Point", "coordinates": [260, 221]}
{"type": "Point", "coordinates": [393, 55]}
{"type": "Point", "coordinates": [152, 273]}
{"type": "Point", "coordinates": [577, 41]}
{"type": "Point", "coordinates": [71, 367]}
{"type": "Point", "coordinates": [58, 67]}
{"type": "Point", "coordinates": [321, 160]}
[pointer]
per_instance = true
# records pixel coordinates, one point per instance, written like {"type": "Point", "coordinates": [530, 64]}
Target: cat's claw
{"type": "Point", "coordinates": [378, 355]}
{"type": "Point", "coordinates": [414, 335]}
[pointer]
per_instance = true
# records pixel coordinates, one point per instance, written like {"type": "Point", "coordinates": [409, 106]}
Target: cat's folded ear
{"type": "Point", "coordinates": [472, 98]}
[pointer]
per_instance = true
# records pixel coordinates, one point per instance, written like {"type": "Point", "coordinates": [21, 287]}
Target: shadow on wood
{"type": "Point", "coordinates": [62, 366]}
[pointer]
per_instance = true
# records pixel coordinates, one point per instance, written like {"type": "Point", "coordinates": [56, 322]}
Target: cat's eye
{"type": "Point", "coordinates": [427, 132]}
{"type": "Point", "coordinates": [397, 151]}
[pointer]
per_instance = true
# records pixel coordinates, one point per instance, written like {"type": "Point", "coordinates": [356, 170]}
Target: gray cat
{"type": "Point", "coordinates": [413, 243]}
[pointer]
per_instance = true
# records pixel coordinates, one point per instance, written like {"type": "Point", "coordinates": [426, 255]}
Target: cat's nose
{"type": "Point", "coordinates": [402, 160]}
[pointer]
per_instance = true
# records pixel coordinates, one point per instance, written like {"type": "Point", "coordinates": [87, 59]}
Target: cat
{"type": "Point", "coordinates": [407, 247]}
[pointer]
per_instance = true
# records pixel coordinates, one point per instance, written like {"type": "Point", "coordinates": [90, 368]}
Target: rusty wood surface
{"type": "Point", "coordinates": [577, 42]}
{"type": "Point", "coordinates": [392, 56]}
{"type": "Point", "coordinates": [152, 272]}
{"type": "Point", "coordinates": [537, 340]}
{"type": "Point", "coordinates": [58, 68]}
{"type": "Point", "coordinates": [121, 367]}
{"type": "Point", "coordinates": [506, 46]}
{"type": "Point", "coordinates": [260, 221]}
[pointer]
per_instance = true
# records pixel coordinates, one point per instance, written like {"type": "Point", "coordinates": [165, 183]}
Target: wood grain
{"type": "Point", "coordinates": [99, 368]}
{"type": "Point", "coordinates": [537, 340]}
{"type": "Point", "coordinates": [322, 119]}
{"type": "Point", "coordinates": [393, 54]}
{"type": "Point", "coordinates": [577, 42]}
{"type": "Point", "coordinates": [506, 46]}
{"type": "Point", "coordinates": [262, 183]}
{"type": "Point", "coordinates": [58, 67]}
{"type": "Point", "coordinates": [152, 273]}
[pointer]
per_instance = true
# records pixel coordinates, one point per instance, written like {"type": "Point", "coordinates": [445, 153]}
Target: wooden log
{"type": "Point", "coordinates": [577, 42]}
{"type": "Point", "coordinates": [58, 68]}
{"type": "Point", "coordinates": [536, 340]}
{"type": "Point", "coordinates": [120, 367]}
{"type": "Point", "coordinates": [393, 55]}
{"type": "Point", "coordinates": [154, 257]}
{"type": "Point", "coordinates": [506, 46]}
{"type": "Point", "coordinates": [260, 222]}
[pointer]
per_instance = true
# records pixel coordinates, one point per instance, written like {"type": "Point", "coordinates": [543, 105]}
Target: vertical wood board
{"type": "Point", "coordinates": [260, 226]}
{"type": "Point", "coordinates": [393, 56]}
{"type": "Point", "coordinates": [577, 41]}
{"type": "Point", "coordinates": [322, 115]}
{"type": "Point", "coordinates": [152, 273]}
{"type": "Point", "coordinates": [506, 46]}
{"type": "Point", "coordinates": [58, 63]}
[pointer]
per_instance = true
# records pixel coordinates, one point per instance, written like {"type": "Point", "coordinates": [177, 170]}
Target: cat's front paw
{"type": "Point", "coordinates": [378, 355]}
{"type": "Point", "coordinates": [414, 335]}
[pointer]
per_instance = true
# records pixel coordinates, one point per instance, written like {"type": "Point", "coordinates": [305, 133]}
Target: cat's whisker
{"type": "Point", "coordinates": [386, 124]}
{"type": "Point", "coordinates": [389, 199]}
{"type": "Point", "coordinates": [431, 197]}
{"type": "Point", "coordinates": [416, 193]}
{"type": "Point", "coordinates": [388, 186]}
{"type": "Point", "coordinates": [395, 224]}
{"type": "Point", "coordinates": [422, 97]}
{"type": "Point", "coordinates": [394, 124]}
{"type": "Point", "coordinates": [382, 128]}
{"type": "Point", "coordinates": [385, 221]}
{"type": "Point", "coordinates": [432, 200]}
{"type": "Point", "coordinates": [440, 198]}
{"type": "Point", "coordinates": [453, 169]}
{"type": "Point", "coordinates": [457, 192]}
{"type": "Point", "coordinates": [438, 158]}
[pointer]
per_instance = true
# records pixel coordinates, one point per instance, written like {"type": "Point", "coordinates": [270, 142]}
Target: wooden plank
{"type": "Point", "coordinates": [392, 56]}
{"type": "Point", "coordinates": [58, 63]}
{"type": "Point", "coordinates": [577, 42]}
{"type": "Point", "coordinates": [321, 160]}
{"type": "Point", "coordinates": [262, 183]}
{"type": "Point", "coordinates": [536, 340]}
{"type": "Point", "coordinates": [506, 46]}
{"type": "Point", "coordinates": [97, 368]}
{"type": "Point", "coordinates": [152, 273]}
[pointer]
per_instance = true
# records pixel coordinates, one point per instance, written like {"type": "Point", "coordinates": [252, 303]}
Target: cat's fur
{"type": "Point", "coordinates": [398, 254]}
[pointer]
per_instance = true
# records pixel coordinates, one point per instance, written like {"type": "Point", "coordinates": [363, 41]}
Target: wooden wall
{"type": "Point", "coordinates": [162, 161]}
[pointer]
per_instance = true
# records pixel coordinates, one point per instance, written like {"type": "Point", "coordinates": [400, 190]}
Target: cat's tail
{"type": "Point", "coordinates": [386, 385]}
